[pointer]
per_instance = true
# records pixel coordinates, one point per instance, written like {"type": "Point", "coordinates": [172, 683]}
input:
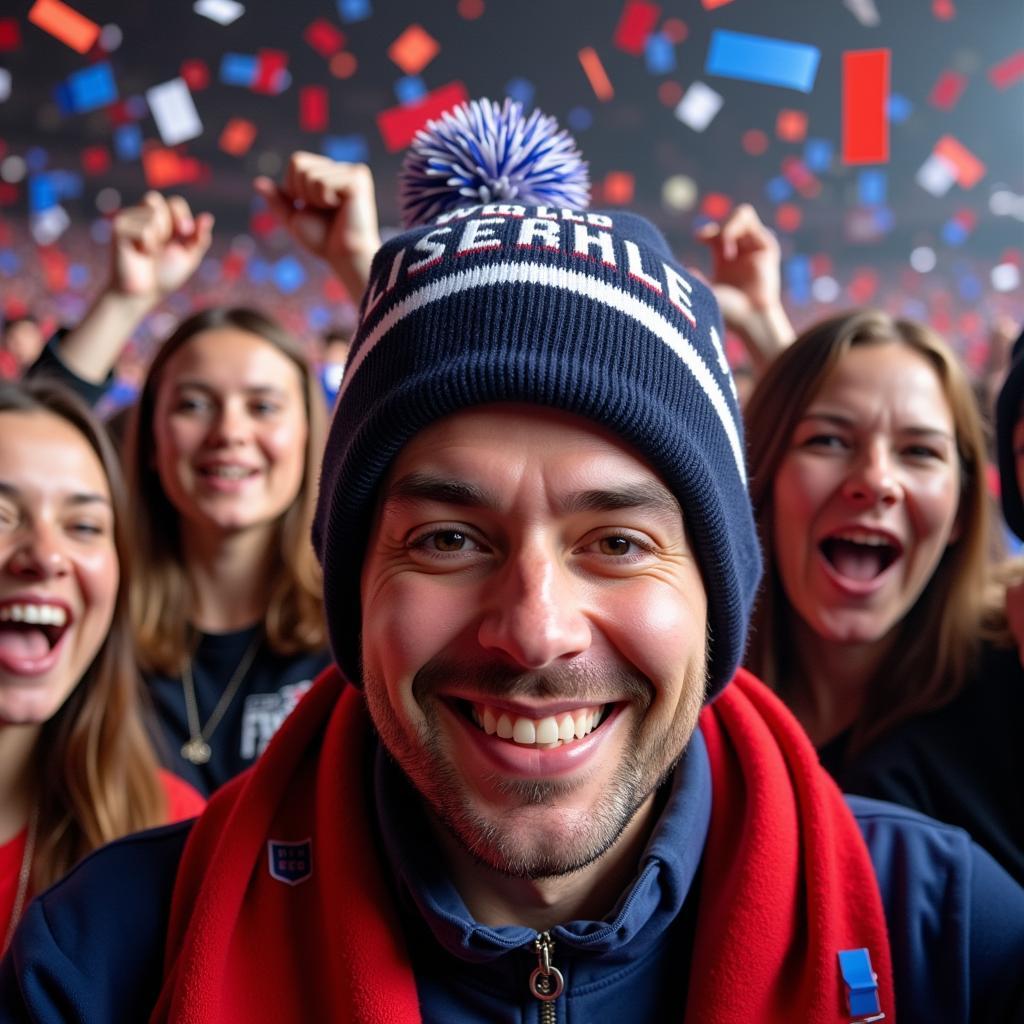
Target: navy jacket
{"type": "Point", "coordinates": [91, 948]}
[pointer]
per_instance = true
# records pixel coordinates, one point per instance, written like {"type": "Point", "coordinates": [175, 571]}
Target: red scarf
{"type": "Point", "coordinates": [786, 882]}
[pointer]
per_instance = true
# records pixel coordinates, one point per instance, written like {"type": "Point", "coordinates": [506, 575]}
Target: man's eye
{"type": "Point", "coordinates": [615, 546]}
{"type": "Point", "coordinates": [449, 540]}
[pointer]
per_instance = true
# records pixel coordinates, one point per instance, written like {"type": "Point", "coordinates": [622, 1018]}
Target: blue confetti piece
{"type": "Point", "coordinates": [763, 60]}
{"type": "Point", "coordinates": [778, 190]}
{"type": "Point", "coordinates": [818, 155]}
{"type": "Point", "coordinates": [289, 275]}
{"type": "Point", "coordinates": [136, 107]}
{"type": "Point", "coordinates": [521, 90]}
{"type": "Point", "coordinates": [871, 188]}
{"type": "Point", "coordinates": [969, 287]}
{"type": "Point", "coordinates": [346, 148]}
{"type": "Point", "coordinates": [899, 108]}
{"type": "Point", "coordinates": [409, 90]}
{"type": "Point", "coordinates": [238, 69]}
{"type": "Point", "coordinates": [128, 141]}
{"type": "Point", "coordinates": [89, 89]}
{"type": "Point", "coordinates": [319, 318]}
{"type": "Point", "coordinates": [884, 219]}
{"type": "Point", "coordinates": [259, 271]}
{"type": "Point", "coordinates": [580, 119]}
{"type": "Point", "coordinates": [954, 233]}
{"type": "Point", "coordinates": [354, 10]}
{"type": "Point", "coordinates": [797, 272]}
{"type": "Point", "coordinates": [9, 262]}
{"type": "Point", "coordinates": [659, 54]}
{"type": "Point", "coordinates": [42, 194]}
{"type": "Point", "coordinates": [37, 158]}
{"type": "Point", "coordinates": [67, 184]}
{"type": "Point", "coordinates": [78, 276]}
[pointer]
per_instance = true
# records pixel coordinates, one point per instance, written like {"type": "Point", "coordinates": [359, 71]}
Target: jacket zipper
{"type": "Point", "coordinates": [546, 981]}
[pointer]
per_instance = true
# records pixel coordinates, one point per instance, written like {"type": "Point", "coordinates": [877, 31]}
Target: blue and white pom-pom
{"type": "Point", "coordinates": [481, 152]}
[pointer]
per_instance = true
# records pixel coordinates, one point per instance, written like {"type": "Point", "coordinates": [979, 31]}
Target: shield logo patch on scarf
{"type": "Point", "coordinates": [290, 863]}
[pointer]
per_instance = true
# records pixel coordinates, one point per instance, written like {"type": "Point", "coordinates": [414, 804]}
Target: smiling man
{"type": "Point", "coordinates": [541, 795]}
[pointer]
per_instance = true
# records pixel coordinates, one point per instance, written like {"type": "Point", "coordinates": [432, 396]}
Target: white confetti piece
{"type": "Point", "coordinates": [221, 11]}
{"type": "Point", "coordinates": [699, 106]}
{"type": "Point", "coordinates": [174, 111]}
{"type": "Point", "coordinates": [936, 175]}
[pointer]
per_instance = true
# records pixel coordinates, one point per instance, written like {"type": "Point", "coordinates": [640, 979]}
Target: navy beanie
{"type": "Point", "coordinates": [1008, 411]}
{"type": "Point", "coordinates": [570, 309]}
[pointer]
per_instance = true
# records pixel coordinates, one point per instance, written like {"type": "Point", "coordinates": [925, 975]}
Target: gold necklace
{"type": "Point", "coordinates": [23, 875]}
{"type": "Point", "coordinates": [196, 748]}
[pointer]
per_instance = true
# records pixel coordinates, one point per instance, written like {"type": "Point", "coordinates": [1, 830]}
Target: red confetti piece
{"type": "Point", "coordinates": [263, 223]}
{"type": "Point", "coordinates": [596, 74]}
{"type": "Point", "coordinates": [821, 264]}
{"type": "Point", "coordinates": [343, 65]}
{"type": "Point", "coordinates": [166, 167]}
{"type": "Point", "coordinates": [9, 194]}
{"type": "Point", "coordinates": [65, 23]}
{"type": "Point", "coordinates": [948, 89]}
{"type": "Point", "coordinates": [237, 137]}
{"type": "Point", "coordinates": [636, 23]}
{"type": "Point", "coordinates": [334, 290]}
{"type": "Point", "coordinates": [195, 73]}
{"type": "Point", "coordinates": [969, 169]}
{"type": "Point", "coordinates": [398, 125]}
{"type": "Point", "coordinates": [619, 188]}
{"type": "Point", "coordinates": [325, 38]}
{"type": "Point", "coordinates": [943, 10]}
{"type": "Point", "coordinates": [670, 93]}
{"type": "Point", "coordinates": [791, 125]}
{"type": "Point", "coordinates": [54, 265]}
{"type": "Point", "coordinates": [96, 160]}
{"type": "Point", "coordinates": [1007, 71]}
{"type": "Point", "coordinates": [716, 205]}
{"type": "Point", "coordinates": [710, 5]}
{"type": "Point", "coordinates": [414, 49]}
{"type": "Point", "coordinates": [754, 141]}
{"type": "Point", "coordinates": [675, 30]}
{"type": "Point", "coordinates": [10, 35]}
{"type": "Point", "coordinates": [863, 286]}
{"type": "Point", "coordinates": [271, 65]}
{"type": "Point", "coordinates": [471, 9]}
{"type": "Point", "coordinates": [865, 97]}
{"type": "Point", "coordinates": [788, 217]}
{"type": "Point", "coordinates": [313, 108]}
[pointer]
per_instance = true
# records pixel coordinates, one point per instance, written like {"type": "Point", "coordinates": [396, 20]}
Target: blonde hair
{"type": "Point", "coordinates": [96, 773]}
{"type": "Point", "coordinates": [294, 619]}
{"type": "Point", "coordinates": [939, 637]}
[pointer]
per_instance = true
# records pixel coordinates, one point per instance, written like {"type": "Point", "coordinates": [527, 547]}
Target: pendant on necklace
{"type": "Point", "coordinates": [196, 750]}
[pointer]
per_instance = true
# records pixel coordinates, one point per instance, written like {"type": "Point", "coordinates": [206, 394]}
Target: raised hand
{"type": "Point", "coordinates": [330, 209]}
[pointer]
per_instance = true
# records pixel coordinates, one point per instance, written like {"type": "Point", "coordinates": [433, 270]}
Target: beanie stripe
{"type": "Point", "coordinates": [591, 287]}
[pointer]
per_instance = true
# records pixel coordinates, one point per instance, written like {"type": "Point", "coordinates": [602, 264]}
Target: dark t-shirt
{"type": "Point", "coordinates": [962, 764]}
{"type": "Point", "coordinates": [51, 365]}
{"type": "Point", "coordinates": [269, 691]}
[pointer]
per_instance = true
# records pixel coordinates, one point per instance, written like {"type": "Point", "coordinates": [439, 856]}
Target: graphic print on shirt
{"type": "Point", "coordinates": [263, 714]}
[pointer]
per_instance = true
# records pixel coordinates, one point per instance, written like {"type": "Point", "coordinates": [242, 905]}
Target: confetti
{"type": "Point", "coordinates": [89, 89]}
{"type": "Point", "coordinates": [174, 112]}
{"type": "Point", "coordinates": [659, 55]}
{"type": "Point", "coordinates": [864, 11]}
{"type": "Point", "coordinates": [818, 154]}
{"type": "Point", "coordinates": [409, 90]}
{"type": "Point", "coordinates": [947, 90]}
{"type": "Point", "coordinates": [1008, 71]}
{"type": "Point", "coordinates": [352, 149]}
{"type": "Point", "coordinates": [943, 10]}
{"type": "Point", "coordinates": [238, 69]}
{"type": "Point", "coordinates": [95, 160]}
{"type": "Point", "coordinates": [128, 142]}
{"type": "Point", "coordinates": [196, 74]}
{"type": "Point", "coordinates": [5, 85]}
{"type": "Point", "coordinates": [414, 49]}
{"type": "Point", "coordinates": [969, 170]}
{"type": "Point", "coordinates": [313, 108]}
{"type": "Point", "coordinates": [65, 23]}
{"type": "Point", "coordinates": [237, 137]}
{"type": "Point", "coordinates": [871, 188]}
{"type": "Point", "coordinates": [596, 74]}
{"type": "Point", "coordinates": [936, 175]}
{"type": "Point", "coordinates": [165, 167]}
{"type": "Point", "coordinates": [354, 10]}
{"type": "Point", "coordinates": [865, 127]}
{"type": "Point", "coordinates": [635, 24]}
{"type": "Point", "coordinates": [761, 59]}
{"type": "Point", "coordinates": [791, 125]}
{"type": "Point", "coordinates": [324, 37]}
{"type": "Point", "coordinates": [710, 5]}
{"type": "Point", "coordinates": [224, 12]}
{"type": "Point", "coordinates": [10, 35]}
{"type": "Point", "coordinates": [398, 125]}
{"type": "Point", "coordinates": [271, 72]}
{"type": "Point", "coordinates": [699, 106]}
{"type": "Point", "coordinates": [679, 192]}
{"type": "Point", "coordinates": [618, 188]}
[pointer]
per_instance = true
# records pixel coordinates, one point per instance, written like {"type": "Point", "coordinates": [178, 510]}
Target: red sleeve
{"type": "Point", "coordinates": [183, 801]}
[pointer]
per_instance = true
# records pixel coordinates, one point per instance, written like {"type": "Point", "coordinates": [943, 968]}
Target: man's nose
{"type": "Point", "coordinates": [535, 615]}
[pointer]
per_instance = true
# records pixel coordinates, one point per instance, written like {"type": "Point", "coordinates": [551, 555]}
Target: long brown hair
{"type": "Point", "coordinates": [96, 774]}
{"type": "Point", "coordinates": [939, 636]}
{"type": "Point", "coordinates": [294, 618]}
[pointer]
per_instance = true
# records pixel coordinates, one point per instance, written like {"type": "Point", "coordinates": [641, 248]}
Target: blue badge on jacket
{"type": "Point", "coordinates": [290, 863]}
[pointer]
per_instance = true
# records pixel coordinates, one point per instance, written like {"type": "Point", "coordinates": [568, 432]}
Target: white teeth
{"type": "Point", "coordinates": [548, 732]}
{"type": "Point", "coordinates": [858, 537]}
{"type": "Point", "coordinates": [229, 472]}
{"type": "Point", "coordinates": [34, 614]}
{"type": "Point", "coordinates": [524, 731]}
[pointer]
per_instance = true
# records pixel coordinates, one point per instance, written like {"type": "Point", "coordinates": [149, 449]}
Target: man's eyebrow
{"type": "Point", "coordinates": [419, 486]}
{"type": "Point", "coordinates": [8, 490]}
{"type": "Point", "coordinates": [651, 497]}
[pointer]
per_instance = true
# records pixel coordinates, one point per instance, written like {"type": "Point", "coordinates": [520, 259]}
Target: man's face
{"type": "Point", "coordinates": [534, 627]}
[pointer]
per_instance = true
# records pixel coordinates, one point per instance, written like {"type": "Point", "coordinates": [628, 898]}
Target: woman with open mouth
{"type": "Point", "coordinates": [222, 453]}
{"type": "Point", "coordinates": [76, 766]}
{"type": "Point", "coordinates": [877, 620]}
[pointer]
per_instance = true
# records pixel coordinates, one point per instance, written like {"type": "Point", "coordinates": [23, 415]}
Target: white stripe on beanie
{"type": "Point", "coordinates": [592, 288]}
